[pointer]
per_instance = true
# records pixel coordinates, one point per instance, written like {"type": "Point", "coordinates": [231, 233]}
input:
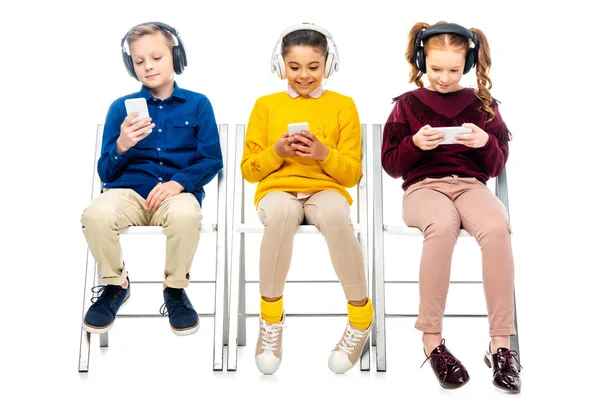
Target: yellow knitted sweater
{"type": "Point", "coordinates": [332, 118]}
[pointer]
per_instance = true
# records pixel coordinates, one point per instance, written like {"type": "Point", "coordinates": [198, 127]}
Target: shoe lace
{"type": "Point", "coordinates": [508, 356]}
{"type": "Point", "coordinates": [105, 294]}
{"type": "Point", "coordinates": [269, 334]}
{"type": "Point", "coordinates": [447, 358]}
{"type": "Point", "coordinates": [352, 337]}
{"type": "Point", "coordinates": [176, 298]}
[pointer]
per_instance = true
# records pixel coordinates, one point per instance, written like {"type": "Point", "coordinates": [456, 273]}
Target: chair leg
{"type": "Point", "coordinates": [365, 357]}
{"type": "Point", "coordinates": [84, 343]}
{"type": "Point", "coordinates": [234, 292]}
{"type": "Point", "coordinates": [514, 340]}
{"type": "Point", "coordinates": [379, 289]}
{"type": "Point", "coordinates": [220, 291]}
{"type": "Point", "coordinates": [104, 339]}
{"type": "Point", "coordinates": [242, 299]}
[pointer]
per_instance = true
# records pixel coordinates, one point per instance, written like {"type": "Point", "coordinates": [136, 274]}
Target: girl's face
{"type": "Point", "coordinates": [304, 68]}
{"type": "Point", "coordinates": [153, 62]}
{"type": "Point", "coordinates": [444, 69]}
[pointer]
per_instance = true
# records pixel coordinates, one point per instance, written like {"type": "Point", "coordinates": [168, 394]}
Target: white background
{"type": "Point", "coordinates": [61, 68]}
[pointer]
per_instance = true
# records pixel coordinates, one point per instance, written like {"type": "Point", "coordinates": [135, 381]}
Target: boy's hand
{"type": "Point", "coordinates": [283, 147]}
{"type": "Point", "coordinates": [309, 146]}
{"type": "Point", "coordinates": [131, 134]}
{"type": "Point", "coordinates": [161, 192]}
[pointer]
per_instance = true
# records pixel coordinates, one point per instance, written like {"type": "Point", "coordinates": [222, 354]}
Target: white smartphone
{"type": "Point", "coordinates": [451, 132]}
{"type": "Point", "coordinates": [296, 128]}
{"type": "Point", "coordinates": [138, 105]}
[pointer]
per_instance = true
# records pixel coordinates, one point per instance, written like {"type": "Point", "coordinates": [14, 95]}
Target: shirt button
{"type": "Point", "coordinates": [160, 107]}
{"type": "Point", "coordinates": [116, 158]}
{"type": "Point", "coordinates": [160, 163]}
{"type": "Point", "coordinates": [160, 130]}
{"type": "Point", "coordinates": [187, 123]}
{"type": "Point", "coordinates": [160, 179]}
{"type": "Point", "coordinates": [158, 149]}
{"type": "Point", "coordinates": [155, 99]}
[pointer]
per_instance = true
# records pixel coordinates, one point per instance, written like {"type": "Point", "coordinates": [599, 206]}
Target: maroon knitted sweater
{"type": "Point", "coordinates": [400, 157]}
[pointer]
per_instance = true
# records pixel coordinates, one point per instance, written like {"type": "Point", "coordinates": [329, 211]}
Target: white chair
{"type": "Point", "coordinates": [237, 300]}
{"type": "Point", "coordinates": [379, 228]}
{"type": "Point", "coordinates": [220, 280]}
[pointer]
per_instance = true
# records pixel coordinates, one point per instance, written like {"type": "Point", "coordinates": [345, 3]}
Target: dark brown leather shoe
{"type": "Point", "coordinates": [506, 374]}
{"type": "Point", "coordinates": [450, 372]}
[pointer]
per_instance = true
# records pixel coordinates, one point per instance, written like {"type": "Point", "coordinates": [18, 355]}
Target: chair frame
{"type": "Point", "coordinates": [221, 292]}
{"type": "Point", "coordinates": [377, 232]}
{"type": "Point", "coordinates": [237, 301]}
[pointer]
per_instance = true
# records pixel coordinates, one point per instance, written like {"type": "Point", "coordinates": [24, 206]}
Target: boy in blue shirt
{"type": "Point", "coordinates": [153, 173]}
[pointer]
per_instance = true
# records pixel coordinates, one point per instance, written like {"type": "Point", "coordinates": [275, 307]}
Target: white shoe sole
{"type": "Point", "coordinates": [187, 331]}
{"type": "Point", "coordinates": [103, 329]}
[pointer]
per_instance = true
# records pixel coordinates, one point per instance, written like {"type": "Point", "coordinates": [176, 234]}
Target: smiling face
{"type": "Point", "coordinates": [153, 63]}
{"type": "Point", "coordinates": [304, 68]}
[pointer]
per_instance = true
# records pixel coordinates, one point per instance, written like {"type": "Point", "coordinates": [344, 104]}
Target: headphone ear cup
{"type": "Point", "coordinates": [471, 60]}
{"type": "Point", "coordinates": [129, 65]}
{"type": "Point", "coordinates": [330, 65]}
{"type": "Point", "coordinates": [279, 66]}
{"type": "Point", "coordinates": [420, 59]}
{"type": "Point", "coordinates": [179, 60]}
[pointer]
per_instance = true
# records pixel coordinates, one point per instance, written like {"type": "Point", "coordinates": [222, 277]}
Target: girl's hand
{"type": "Point", "coordinates": [161, 192]}
{"type": "Point", "coordinates": [309, 146]}
{"type": "Point", "coordinates": [283, 147]}
{"type": "Point", "coordinates": [476, 139]}
{"type": "Point", "coordinates": [427, 138]}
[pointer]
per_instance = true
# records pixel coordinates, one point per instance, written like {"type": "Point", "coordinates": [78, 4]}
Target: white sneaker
{"type": "Point", "coordinates": [347, 352]}
{"type": "Point", "coordinates": [268, 346]}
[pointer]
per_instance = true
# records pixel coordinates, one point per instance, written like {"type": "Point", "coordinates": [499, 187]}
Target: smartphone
{"type": "Point", "coordinates": [138, 105]}
{"type": "Point", "coordinates": [296, 128]}
{"type": "Point", "coordinates": [451, 132]}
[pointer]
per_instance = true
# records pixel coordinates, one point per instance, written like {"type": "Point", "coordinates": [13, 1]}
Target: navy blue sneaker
{"type": "Point", "coordinates": [182, 316]}
{"type": "Point", "coordinates": [105, 305]}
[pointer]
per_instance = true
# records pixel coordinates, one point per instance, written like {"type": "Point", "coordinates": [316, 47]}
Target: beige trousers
{"type": "Point", "coordinates": [115, 209]}
{"type": "Point", "coordinates": [281, 213]}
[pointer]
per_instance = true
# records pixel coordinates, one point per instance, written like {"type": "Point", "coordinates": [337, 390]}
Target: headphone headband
{"type": "Point", "coordinates": [332, 62]}
{"type": "Point", "coordinates": [449, 28]}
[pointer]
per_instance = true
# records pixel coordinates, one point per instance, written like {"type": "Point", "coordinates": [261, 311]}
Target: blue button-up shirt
{"type": "Point", "coordinates": [183, 146]}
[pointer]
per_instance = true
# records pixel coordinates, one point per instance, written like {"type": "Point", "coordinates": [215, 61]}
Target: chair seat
{"type": "Point", "coordinates": [303, 229]}
{"type": "Point", "coordinates": [158, 230]}
{"type": "Point", "coordinates": [408, 231]}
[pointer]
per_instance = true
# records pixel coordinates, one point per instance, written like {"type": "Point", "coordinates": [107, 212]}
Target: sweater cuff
{"type": "Point", "coordinates": [333, 158]}
{"type": "Point", "coordinates": [489, 144]}
{"type": "Point", "coordinates": [413, 147]}
{"type": "Point", "coordinates": [271, 160]}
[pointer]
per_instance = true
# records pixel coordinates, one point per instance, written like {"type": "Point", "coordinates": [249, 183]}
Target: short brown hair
{"type": "Point", "coordinates": [149, 29]}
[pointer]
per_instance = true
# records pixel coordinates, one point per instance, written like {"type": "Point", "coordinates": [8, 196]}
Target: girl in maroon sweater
{"type": "Point", "coordinates": [445, 187]}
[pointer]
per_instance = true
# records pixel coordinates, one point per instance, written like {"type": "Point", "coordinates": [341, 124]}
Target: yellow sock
{"type": "Point", "coordinates": [361, 317]}
{"type": "Point", "coordinates": [271, 311]}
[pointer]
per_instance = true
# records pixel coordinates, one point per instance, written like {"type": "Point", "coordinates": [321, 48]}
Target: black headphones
{"type": "Point", "coordinates": [179, 57]}
{"type": "Point", "coordinates": [419, 58]}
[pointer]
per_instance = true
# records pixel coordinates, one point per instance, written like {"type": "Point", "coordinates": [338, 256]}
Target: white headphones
{"type": "Point", "coordinates": [331, 58]}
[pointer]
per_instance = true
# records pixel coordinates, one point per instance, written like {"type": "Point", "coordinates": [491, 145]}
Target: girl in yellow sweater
{"type": "Point", "coordinates": [303, 179]}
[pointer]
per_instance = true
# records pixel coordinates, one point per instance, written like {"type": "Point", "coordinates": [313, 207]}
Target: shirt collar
{"type": "Point", "coordinates": [315, 94]}
{"type": "Point", "coordinates": [177, 92]}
